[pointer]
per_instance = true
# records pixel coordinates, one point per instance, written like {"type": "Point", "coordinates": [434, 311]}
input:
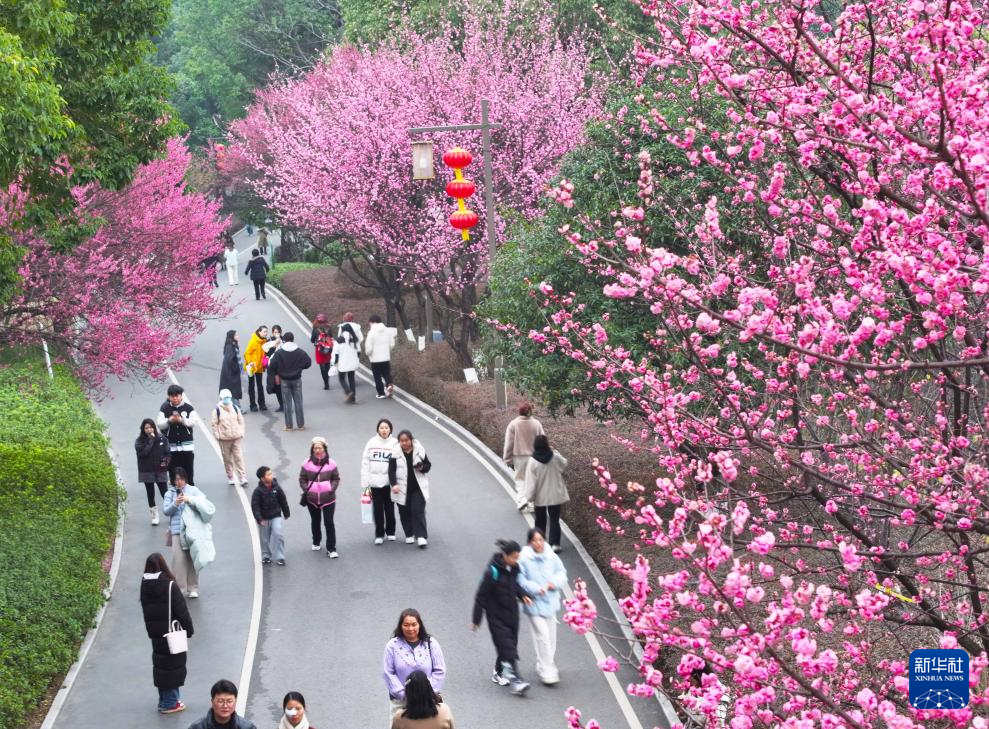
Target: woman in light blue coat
{"type": "Point", "coordinates": [189, 532]}
{"type": "Point", "coordinates": [542, 575]}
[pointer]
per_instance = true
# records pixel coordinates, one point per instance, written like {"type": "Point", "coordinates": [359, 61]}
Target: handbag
{"type": "Point", "coordinates": [178, 639]}
{"type": "Point", "coordinates": [333, 371]}
{"type": "Point", "coordinates": [367, 509]}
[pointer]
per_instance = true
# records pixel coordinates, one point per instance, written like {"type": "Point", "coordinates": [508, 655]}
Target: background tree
{"type": "Point", "coordinates": [821, 505]}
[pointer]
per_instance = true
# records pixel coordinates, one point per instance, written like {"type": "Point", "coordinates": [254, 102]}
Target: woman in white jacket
{"type": "Point", "coordinates": [407, 469]}
{"type": "Point", "coordinates": [374, 476]}
{"type": "Point", "coordinates": [347, 358]}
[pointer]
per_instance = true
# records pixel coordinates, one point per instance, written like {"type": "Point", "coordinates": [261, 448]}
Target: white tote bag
{"type": "Point", "coordinates": [178, 639]}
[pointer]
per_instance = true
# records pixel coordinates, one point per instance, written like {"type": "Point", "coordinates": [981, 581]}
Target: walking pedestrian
{"type": "Point", "coordinates": [378, 346]}
{"type": "Point", "coordinates": [287, 365]}
{"type": "Point", "coordinates": [347, 358]}
{"type": "Point", "coordinates": [273, 344]}
{"type": "Point", "coordinates": [175, 421]}
{"type": "Point", "coordinates": [230, 260]}
{"type": "Point", "coordinates": [294, 708]}
{"type": "Point", "coordinates": [208, 268]}
{"type": "Point", "coordinates": [322, 338]}
{"type": "Point", "coordinates": [319, 480]}
{"type": "Point", "coordinates": [545, 487]}
{"type": "Point", "coordinates": [374, 476]}
{"type": "Point", "coordinates": [153, 457]}
{"type": "Point", "coordinates": [257, 271]}
{"type": "Point", "coordinates": [519, 436]}
{"type": "Point", "coordinates": [355, 327]}
{"type": "Point", "coordinates": [270, 509]}
{"type": "Point", "coordinates": [411, 648]}
{"type": "Point", "coordinates": [162, 603]}
{"type": "Point", "coordinates": [223, 709]}
{"type": "Point", "coordinates": [254, 367]}
{"type": "Point", "coordinates": [228, 429]}
{"type": "Point", "coordinates": [190, 534]}
{"type": "Point", "coordinates": [263, 241]}
{"type": "Point", "coordinates": [407, 469]}
{"type": "Point", "coordinates": [230, 367]}
{"type": "Point", "coordinates": [498, 596]}
{"type": "Point", "coordinates": [542, 575]}
{"type": "Point", "coordinates": [424, 709]}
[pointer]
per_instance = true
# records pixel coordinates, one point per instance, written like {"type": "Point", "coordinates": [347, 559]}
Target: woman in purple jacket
{"type": "Point", "coordinates": [319, 479]}
{"type": "Point", "coordinates": [411, 648]}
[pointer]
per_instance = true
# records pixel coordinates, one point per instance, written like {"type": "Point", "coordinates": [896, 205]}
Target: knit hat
{"type": "Point", "coordinates": [318, 439]}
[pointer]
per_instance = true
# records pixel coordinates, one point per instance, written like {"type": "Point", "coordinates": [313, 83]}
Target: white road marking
{"type": "Point", "coordinates": [620, 696]}
{"type": "Point", "coordinates": [244, 687]}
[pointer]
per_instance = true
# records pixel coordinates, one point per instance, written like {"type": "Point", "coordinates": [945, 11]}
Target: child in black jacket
{"type": "Point", "coordinates": [269, 505]}
{"type": "Point", "coordinates": [498, 596]}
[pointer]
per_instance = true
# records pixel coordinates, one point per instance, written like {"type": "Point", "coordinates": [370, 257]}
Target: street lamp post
{"type": "Point", "coordinates": [485, 127]}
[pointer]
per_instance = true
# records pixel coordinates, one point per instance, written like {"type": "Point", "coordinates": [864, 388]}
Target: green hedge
{"type": "Point", "coordinates": [280, 269]}
{"type": "Point", "coordinates": [58, 515]}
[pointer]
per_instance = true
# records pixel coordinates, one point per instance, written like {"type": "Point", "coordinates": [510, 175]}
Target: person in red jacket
{"type": "Point", "coordinates": [322, 339]}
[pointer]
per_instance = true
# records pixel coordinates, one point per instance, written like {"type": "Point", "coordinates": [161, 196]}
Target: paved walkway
{"type": "Point", "coordinates": [323, 623]}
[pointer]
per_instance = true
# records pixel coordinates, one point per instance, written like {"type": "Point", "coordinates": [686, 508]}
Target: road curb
{"type": "Point", "coordinates": [488, 457]}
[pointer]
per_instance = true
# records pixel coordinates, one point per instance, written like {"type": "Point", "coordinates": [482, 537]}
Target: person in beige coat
{"type": "Point", "coordinates": [545, 487]}
{"type": "Point", "coordinates": [228, 429]}
{"type": "Point", "coordinates": [424, 709]}
{"type": "Point", "coordinates": [519, 436]}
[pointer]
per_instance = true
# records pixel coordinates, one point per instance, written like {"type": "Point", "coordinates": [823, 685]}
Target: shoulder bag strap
{"type": "Point", "coordinates": [317, 475]}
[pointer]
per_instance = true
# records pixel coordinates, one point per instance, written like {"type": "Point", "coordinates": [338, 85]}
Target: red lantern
{"type": "Point", "coordinates": [463, 220]}
{"type": "Point", "coordinates": [457, 158]}
{"type": "Point", "coordinates": [460, 189]}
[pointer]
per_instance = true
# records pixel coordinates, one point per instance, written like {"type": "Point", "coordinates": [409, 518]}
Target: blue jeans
{"type": "Point", "coordinates": [273, 539]}
{"type": "Point", "coordinates": [292, 395]}
{"type": "Point", "coordinates": [167, 698]}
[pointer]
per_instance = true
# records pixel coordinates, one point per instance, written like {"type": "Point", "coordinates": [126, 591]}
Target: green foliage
{"type": "Point", "coordinates": [58, 508]}
{"type": "Point", "coordinates": [277, 272]}
{"type": "Point", "coordinates": [220, 51]}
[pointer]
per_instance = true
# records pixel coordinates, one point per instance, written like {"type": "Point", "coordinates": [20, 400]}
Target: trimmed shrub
{"type": "Point", "coordinates": [280, 269]}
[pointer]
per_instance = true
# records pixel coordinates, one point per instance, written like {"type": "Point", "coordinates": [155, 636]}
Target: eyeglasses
{"type": "Point", "coordinates": [225, 702]}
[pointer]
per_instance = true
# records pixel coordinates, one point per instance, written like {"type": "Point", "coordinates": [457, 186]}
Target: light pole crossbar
{"type": "Point", "coordinates": [456, 128]}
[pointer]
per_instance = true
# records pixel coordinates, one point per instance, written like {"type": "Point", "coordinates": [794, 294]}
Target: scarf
{"type": "Point", "coordinates": [286, 724]}
{"type": "Point", "coordinates": [543, 455]}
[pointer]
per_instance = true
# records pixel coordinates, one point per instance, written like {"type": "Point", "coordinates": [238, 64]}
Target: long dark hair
{"type": "Point", "coordinates": [153, 425]}
{"type": "Point", "coordinates": [294, 696]}
{"type": "Point", "coordinates": [420, 699]}
{"type": "Point", "coordinates": [411, 613]}
{"type": "Point", "coordinates": [157, 563]}
{"type": "Point", "coordinates": [353, 335]}
{"type": "Point", "coordinates": [229, 342]}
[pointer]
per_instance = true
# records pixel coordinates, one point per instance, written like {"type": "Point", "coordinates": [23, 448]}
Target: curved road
{"type": "Point", "coordinates": [323, 623]}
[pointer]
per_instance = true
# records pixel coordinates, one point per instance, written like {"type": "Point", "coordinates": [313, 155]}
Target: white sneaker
{"type": "Point", "coordinates": [193, 594]}
{"type": "Point", "coordinates": [390, 537]}
{"type": "Point", "coordinates": [422, 543]}
{"type": "Point", "coordinates": [154, 516]}
{"type": "Point", "coordinates": [379, 540]}
{"type": "Point", "coordinates": [410, 540]}
{"type": "Point", "coordinates": [518, 687]}
{"type": "Point", "coordinates": [499, 679]}
{"type": "Point", "coordinates": [231, 481]}
{"type": "Point", "coordinates": [243, 480]}
{"type": "Point", "coordinates": [380, 397]}
{"type": "Point", "coordinates": [332, 555]}
{"type": "Point", "coordinates": [315, 548]}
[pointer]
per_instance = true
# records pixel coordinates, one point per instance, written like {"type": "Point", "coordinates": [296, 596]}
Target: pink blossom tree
{"type": "Point", "coordinates": [331, 151]}
{"type": "Point", "coordinates": [134, 291]}
{"type": "Point", "coordinates": [822, 502]}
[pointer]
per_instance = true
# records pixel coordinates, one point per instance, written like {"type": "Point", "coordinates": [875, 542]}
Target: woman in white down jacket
{"type": "Point", "coordinates": [347, 358]}
{"type": "Point", "coordinates": [374, 476]}
{"type": "Point", "coordinates": [407, 469]}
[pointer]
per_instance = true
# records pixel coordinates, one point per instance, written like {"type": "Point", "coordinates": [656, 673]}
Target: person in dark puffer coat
{"type": "Point", "coordinates": [498, 596]}
{"type": "Point", "coordinates": [168, 670]}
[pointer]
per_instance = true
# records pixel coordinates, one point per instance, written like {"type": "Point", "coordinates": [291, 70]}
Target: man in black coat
{"type": "Point", "coordinates": [162, 599]}
{"type": "Point", "coordinates": [257, 271]}
{"type": "Point", "coordinates": [223, 709]}
{"type": "Point", "coordinates": [286, 367]}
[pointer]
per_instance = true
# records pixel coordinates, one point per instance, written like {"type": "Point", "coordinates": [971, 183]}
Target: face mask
{"type": "Point", "coordinates": [291, 713]}
{"type": "Point", "coordinates": [228, 401]}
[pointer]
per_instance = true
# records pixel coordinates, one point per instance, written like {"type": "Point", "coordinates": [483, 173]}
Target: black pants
{"type": "Point", "coordinates": [553, 515]}
{"type": "Point", "coordinates": [348, 382]}
{"type": "Point", "coordinates": [256, 382]}
{"type": "Point", "coordinates": [182, 459]}
{"type": "Point", "coordinates": [384, 512]}
{"type": "Point", "coordinates": [149, 486]}
{"type": "Point", "coordinates": [506, 643]}
{"type": "Point", "coordinates": [259, 289]}
{"type": "Point", "coordinates": [413, 513]}
{"type": "Point", "coordinates": [382, 375]}
{"type": "Point", "coordinates": [327, 518]}
{"type": "Point", "coordinates": [324, 372]}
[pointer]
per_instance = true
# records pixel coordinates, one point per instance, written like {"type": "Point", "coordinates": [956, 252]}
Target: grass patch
{"type": "Point", "coordinates": [280, 269]}
{"type": "Point", "coordinates": [58, 515]}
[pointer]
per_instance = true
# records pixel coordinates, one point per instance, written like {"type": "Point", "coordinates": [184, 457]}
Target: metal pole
{"type": "Point", "coordinates": [48, 359]}
{"type": "Point", "coordinates": [501, 397]}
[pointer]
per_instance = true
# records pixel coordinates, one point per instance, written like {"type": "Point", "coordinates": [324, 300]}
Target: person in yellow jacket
{"type": "Point", "coordinates": [254, 367]}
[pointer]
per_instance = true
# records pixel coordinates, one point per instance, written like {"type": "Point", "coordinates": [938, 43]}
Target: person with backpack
{"type": "Point", "coordinates": [175, 421]}
{"type": "Point", "coordinates": [286, 365]}
{"type": "Point", "coordinates": [346, 358]}
{"type": "Point", "coordinates": [498, 596]}
{"type": "Point", "coordinates": [230, 378]}
{"type": "Point", "coordinates": [270, 509]}
{"type": "Point", "coordinates": [228, 429]}
{"type": "Point", "coordinates": [322, 338]}
{"type": "Point", "coordinates": [319, 480]}
{"type": "Point", "coordinates": [257, 271]}
{"type": "Point", "coordinates": [161, 603]}
{"type": "Point", "coordinates": [153, 457]}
